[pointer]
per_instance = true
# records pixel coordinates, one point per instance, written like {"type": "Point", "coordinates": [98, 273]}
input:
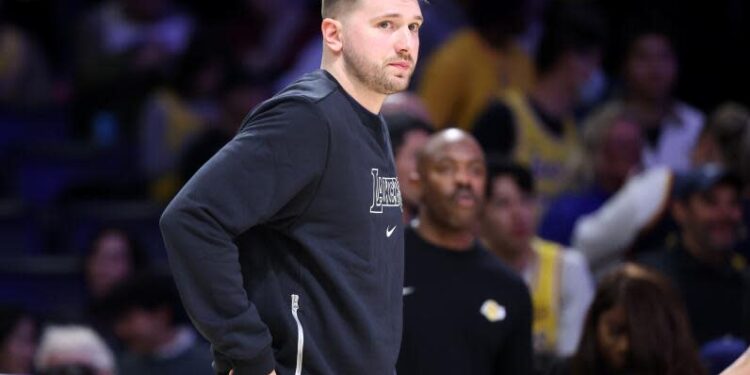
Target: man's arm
{"type": "Point", "coordinates": [245, 184]}
{"type": "Point", "coordinates": [604, 235]}
{"type": "Point", "coordinates": [577, 292]}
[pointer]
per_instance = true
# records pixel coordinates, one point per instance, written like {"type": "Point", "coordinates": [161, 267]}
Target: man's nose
{"type": "Point", "coordinates": [462, 177]}
{"type": "Point", "coordinates": [406, 40]}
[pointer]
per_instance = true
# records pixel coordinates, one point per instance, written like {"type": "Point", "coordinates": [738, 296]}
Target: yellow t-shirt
{"type": "Point", "coordinates": [547, 155]}
{"type": "Point", "coordinates": [545, 295]}
{"type": "Point", "coordinates": [461, 77]}
{"type": "Point", "coordinates": [181, 125]}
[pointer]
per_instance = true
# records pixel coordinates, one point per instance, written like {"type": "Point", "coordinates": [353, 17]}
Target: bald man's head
{"type": "Point", "coordinates": [443, 139]}
{"type": "Point", "coordinates": [452, 176]}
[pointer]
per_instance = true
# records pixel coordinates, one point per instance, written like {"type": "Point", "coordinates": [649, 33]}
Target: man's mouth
{"type": "Point", "coordinates": [465, 199]}
{"type": "Point", "coordinates": [405, 65]}
{"type": "Point", "coordinates": [404, 62]}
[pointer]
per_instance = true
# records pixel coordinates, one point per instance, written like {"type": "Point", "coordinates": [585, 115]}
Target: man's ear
{"type": "Point", "coordinates": [332, 36]}
{"type": "Point", "coordinates": [414, 179]}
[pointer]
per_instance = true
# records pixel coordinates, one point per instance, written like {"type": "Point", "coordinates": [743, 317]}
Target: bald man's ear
{"type": "Point", "coordinates": [415, 181]}
{"type": "Point", "coordinates": [332, 36]}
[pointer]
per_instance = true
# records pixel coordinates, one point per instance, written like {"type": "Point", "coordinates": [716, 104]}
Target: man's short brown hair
{"type": "Point", "coordinates": [333, 8]}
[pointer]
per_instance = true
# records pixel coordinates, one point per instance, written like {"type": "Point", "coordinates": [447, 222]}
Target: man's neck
{"type": "Point", "coordinates": [370, 100]}
{"type": "Point", "coordinates": [449, 238]}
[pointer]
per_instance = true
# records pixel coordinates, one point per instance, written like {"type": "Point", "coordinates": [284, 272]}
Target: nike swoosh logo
{"type": "Point", "coordinates": [408, 290]}
{"type": "Point", "coordinates": [389, 231]}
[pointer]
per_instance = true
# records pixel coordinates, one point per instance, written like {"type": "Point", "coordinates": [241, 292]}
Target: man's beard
{"type": "Point", "coordinates": [374, 76]}
{"type": "Point", "coordinates": [447, 217]}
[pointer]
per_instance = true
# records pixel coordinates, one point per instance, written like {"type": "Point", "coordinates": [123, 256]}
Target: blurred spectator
{"type": "Point", "coordinates": [670, 127]}
{"type": "Point", "coordinates": [18, 341]}
{"type": "Point", "coordinates": [716, 289]}
{"type": "Point", "coordinates": [73, 350]}
{"type": "Point", "coordinates": [112, 257]}
{"type": "Point", "coordinates": [408, 134]}
{"type": "Point", "coordinates": [125, 49]}
{"type": "Point", "coordinates": [406, 102]}
{"type": "Point", "coordinates": [538, 129]}
{"type": "Point", "coordinates": [24, 74]}
{"type": "Point", "coordinates": [174, 114]}
{"type": "Point", "coordinates": [636, 325]}
{"type": "Point", "coordinates": [476, 63]}
{"type": "Point", "coordinates": [611, 153]}
{"type": "Point", "coordinates": [464, 311]}
{"type": "Point", "coordinates": [559, 279]}
{"type": "Point", "coordinates": [607, 235]}
{"type": "Point", "coordinates": [444, 19]}
{"type": "Point", "coordinates": [149, 320]}
{"type": "Point", "coordinates": [637, 217]}
{"type": "Point", "coordinates": [238, 97]}
{"type": "Point", "coordinates": [726, 140]}
{"type": "Point", "coordinates": [265, 37]}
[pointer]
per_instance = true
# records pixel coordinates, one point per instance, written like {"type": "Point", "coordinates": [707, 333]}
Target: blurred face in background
{"type": "Point", "coordinates": [452, 175]}
{"type": "Point", "coordinates": [651, 67]}
{"type": "Point", "coordinates": [510, 215]}
{"type": "Point", "coordinates": [17, 351]}
{"type": "Point", "coordinates": [109, 262]}
{"type": "Point", "coordinates": [143, 330]}
{"type": "Point", "coordinates": [711, 220]}
{"type": "Point", "coordinates": [619, 155]}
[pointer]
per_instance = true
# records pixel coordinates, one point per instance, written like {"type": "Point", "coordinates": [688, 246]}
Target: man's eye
{"type": "Point", "coordinates": [385, 25]}
{"type": "Point", "coordinates": [443, 168]}
{"type": "Point", "coordinates": [414, 27]}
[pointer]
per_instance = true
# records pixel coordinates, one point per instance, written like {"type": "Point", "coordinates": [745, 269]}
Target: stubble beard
{"type": "Point", "coordinates": [446, 218]}
{"type": "Point", "coordinates": [372, 75]}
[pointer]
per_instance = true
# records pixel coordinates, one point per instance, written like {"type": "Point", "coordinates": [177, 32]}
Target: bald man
{"type": "Point", "coordinates": [464, 311]}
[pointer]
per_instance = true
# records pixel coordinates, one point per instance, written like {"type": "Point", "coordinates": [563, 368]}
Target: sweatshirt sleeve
{"type": "Point", "coordinates": [276, 155]}
{"type": "Point", "coordinates": [604, 235]}
{"type": "Point", "coordinates": [577, 290]}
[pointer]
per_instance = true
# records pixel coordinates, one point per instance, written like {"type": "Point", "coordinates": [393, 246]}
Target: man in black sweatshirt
{"type": "Point", "coordinates": [464, 311]}
{"type": "Point", "coordinates": [287, 246]}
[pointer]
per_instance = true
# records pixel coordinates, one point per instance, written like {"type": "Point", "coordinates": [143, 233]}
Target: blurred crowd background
{"type": "Point", "coordinates": [108, 106]}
